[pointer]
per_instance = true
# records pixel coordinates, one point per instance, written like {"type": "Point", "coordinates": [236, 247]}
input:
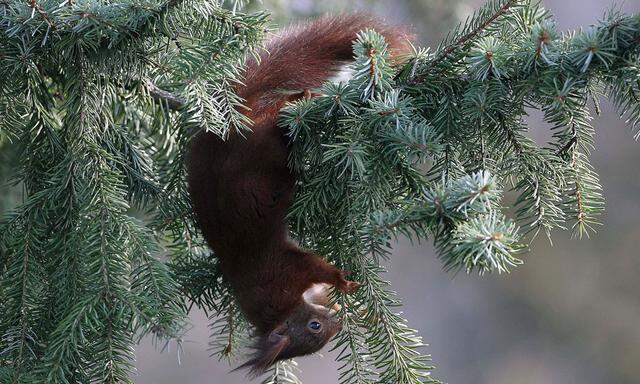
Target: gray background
{"type": "Point", "coordinates": [570, 314]}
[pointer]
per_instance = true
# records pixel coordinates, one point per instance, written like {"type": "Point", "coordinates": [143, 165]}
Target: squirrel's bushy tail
{"type": "Point", "coordinates": [304, 56]}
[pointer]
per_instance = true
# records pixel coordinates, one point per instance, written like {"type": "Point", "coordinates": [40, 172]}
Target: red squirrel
{"type": "Point", "coordinates": [241, 189]}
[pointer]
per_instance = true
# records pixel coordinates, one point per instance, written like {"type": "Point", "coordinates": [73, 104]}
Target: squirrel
{"type": "Point", "coordinates": [241, 188]}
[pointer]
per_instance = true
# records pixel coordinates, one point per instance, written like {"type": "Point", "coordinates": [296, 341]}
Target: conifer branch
{"type": "Point", "coordinates": [23, 318]}
{"type": "Point", "coordinates": [465, 39]}
{"type": "Point", "coordinates": [170, 100]}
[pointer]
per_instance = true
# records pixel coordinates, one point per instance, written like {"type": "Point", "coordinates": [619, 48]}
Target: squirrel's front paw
{"type": "Point", "coordinates": [347, 286]}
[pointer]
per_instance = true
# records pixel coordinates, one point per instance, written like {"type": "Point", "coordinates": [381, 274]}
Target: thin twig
{"type": "Point", "coordinates": [466, 38]}
{"type": "Point", "coordinates": [41, 11]}
{"type": "Point", "coordinates": [568, 146]}
{"type": "Point", "coordinates": [172, 101]}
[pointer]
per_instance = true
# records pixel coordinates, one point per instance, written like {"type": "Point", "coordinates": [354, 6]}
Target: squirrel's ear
{"type": "Point", "coordinates": [275, 344]}
{"type": "Point", "coordinates": [278, 333]}
{"type": "Point", "coordinates": [267, 351]}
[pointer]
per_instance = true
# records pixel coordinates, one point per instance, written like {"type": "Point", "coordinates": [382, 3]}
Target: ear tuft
{"type": "Point", "coordinates": [267, 352]}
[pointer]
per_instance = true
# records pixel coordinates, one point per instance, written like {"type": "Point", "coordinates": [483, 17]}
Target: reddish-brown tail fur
{"type": "Point", "coordinates": [303, 56]}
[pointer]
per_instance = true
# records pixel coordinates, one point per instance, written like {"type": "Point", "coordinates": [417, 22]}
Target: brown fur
{"type": "Point", "coordinates": [241, 189]}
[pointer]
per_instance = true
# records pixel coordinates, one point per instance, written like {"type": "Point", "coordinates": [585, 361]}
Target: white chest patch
{"type": "Point", "coordinates": [343, 75]}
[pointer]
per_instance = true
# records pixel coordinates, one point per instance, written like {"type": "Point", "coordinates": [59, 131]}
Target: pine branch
{"type": "Point", "coordinates": [474, 33]}
{"type": "Point", "coordinates": [170, 100]}
{"type": "Point", "coordinates": [283, 372]}
{"type": "Point", "coordinates": [465, 39]}
{"type": "Point", "coordinates": [22, 341]}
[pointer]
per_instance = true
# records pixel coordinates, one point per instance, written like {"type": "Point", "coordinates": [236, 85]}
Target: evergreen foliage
{"type": "Point", "coordinates": [80, 81]}
{"type": "Point", "coordinates": [100, 100]}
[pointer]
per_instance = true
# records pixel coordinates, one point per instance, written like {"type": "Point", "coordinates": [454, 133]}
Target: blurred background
{"type": "Point", "coordinates": [570, 314]}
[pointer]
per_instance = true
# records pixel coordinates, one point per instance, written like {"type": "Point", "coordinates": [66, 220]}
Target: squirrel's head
{"type": "Point", "coordinates": [307, 329]}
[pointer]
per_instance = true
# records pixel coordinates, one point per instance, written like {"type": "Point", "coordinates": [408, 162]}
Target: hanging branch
{"type": "Point", "coordinates": [463, 40]}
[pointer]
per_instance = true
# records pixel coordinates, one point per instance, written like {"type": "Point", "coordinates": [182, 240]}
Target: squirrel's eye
{"type": "Point", "coordinates": [315, 326]}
